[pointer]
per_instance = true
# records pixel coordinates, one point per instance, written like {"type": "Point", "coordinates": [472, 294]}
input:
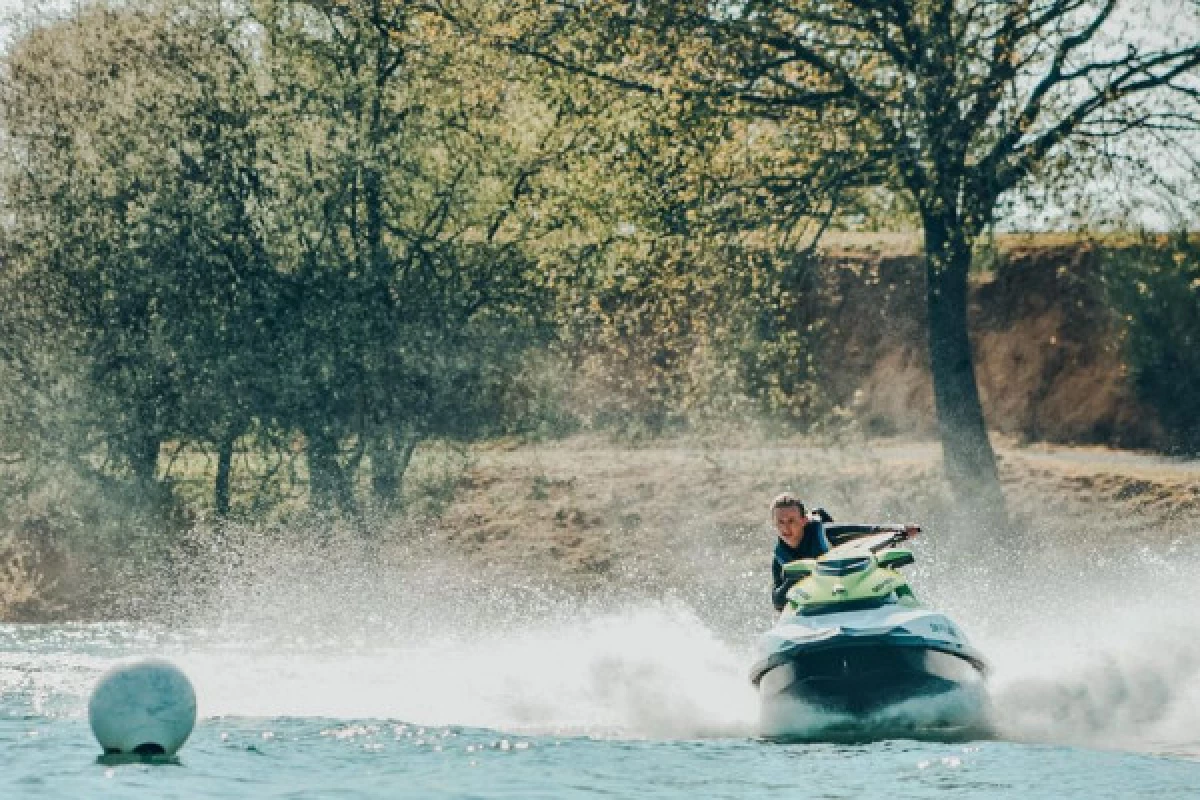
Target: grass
{"type": "Point", "coordinates": [271, 485]}
{"type": "Point", "coordinates": [589, 514]}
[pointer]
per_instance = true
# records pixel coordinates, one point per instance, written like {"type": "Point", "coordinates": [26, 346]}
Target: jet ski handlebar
{"type": "Point", "coordinates": [904, 531]}
{"type": "Point", "coordinates": [900, 533]}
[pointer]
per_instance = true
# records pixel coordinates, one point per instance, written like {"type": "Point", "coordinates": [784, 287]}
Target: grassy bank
{"type": "Point", "coordinates": [591, 506]}
{"type": "Point", "coordinates": [588, 514]}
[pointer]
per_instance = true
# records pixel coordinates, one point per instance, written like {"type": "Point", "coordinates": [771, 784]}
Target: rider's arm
{"type": "Point", "coordinates": [839, 533]}
{"type": "Point", "coordinates": [779, 586]}
{"type": "Point", "coordinates": [823, 538]}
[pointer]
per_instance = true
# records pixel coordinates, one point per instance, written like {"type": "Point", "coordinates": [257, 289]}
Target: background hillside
{"type": "Point", "coordinates": [1048, 341]}
{"type": "Point", "coordinates": [287, 270]}
{"type": "Point", "coordinates": [610, 507]}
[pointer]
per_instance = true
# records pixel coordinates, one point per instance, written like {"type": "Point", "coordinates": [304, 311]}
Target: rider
{"type": "Point", "coordinates": [806, 535]}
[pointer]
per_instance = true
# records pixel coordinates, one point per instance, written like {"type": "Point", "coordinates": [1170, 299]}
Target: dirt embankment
{"type": "Point", "coordinates": [590, 511]}
{"type": "Point", "coordinates": [1047, 346]}
{"type": "Point", "coordinates": [587, 513]}
{"type": "Point", "coordinates": [597, 511]}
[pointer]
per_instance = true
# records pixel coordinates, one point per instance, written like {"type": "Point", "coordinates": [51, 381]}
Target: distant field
{"type": "Point", "coordinates": [591, 514]}
{"type": "Point", "coordinates": [894, 244]}
{"type": "Point", "coordinates": [547, 495]}
{"type": "Point", "coordinates": [593, 508]}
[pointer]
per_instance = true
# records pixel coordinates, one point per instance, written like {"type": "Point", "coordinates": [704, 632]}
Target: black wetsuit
{"type": "Point", "coordinates": [815, 542]}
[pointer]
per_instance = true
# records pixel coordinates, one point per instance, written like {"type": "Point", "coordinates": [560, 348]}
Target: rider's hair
{"type": "Point", "coordinates": [787, 500]}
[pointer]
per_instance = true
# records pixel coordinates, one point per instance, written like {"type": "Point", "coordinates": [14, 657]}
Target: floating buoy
{"type": "Point", "coordinates": [143, 708]}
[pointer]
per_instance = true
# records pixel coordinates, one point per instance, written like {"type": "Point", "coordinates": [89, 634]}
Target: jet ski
{"type": "Point", "coordinates": [853, 641]}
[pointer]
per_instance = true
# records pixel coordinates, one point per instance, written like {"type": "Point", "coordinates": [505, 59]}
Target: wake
{"type": "Point", "coordinates": [1093, 651]}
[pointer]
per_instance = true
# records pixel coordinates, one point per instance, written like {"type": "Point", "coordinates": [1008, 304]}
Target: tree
{"type": "Point", "coordinates": [401, 222]}
{"type": "Point", "coordinates": [272, 218]}
{"type": "Point", "coordinates": [683, 268]}
{"type": "Point", "coordinates": [954, 102]}
{"type": "Point", "coordinates": [684, 297]}
{"type": "Point", "coordinates": [1155, 287]}
{"type": "Point", "coordinates": [132, 185]}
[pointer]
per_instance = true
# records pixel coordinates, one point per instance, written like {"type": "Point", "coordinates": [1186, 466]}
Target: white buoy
{"type": "Point", "coordinates": [143, 708]}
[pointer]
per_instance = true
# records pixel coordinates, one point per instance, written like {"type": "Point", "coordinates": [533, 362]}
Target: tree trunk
{"type": "Point", "coordinates": [224, 471]}
{"type": "Point", "coordinates": [390, 456]}
{"type": "Point", "coordinates": [328, 484]}
{"type": "Point", "coordinates": [143, 457]}
{"type": "Point", "coordinates": [967, 454]}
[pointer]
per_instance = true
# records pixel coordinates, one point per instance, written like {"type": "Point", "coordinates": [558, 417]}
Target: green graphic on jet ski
{"type": "Point", "coordinates": [850, 576]}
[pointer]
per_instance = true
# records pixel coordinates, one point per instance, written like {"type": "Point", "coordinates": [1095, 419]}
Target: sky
{"type": "Point", "coordinates": [9, 8]}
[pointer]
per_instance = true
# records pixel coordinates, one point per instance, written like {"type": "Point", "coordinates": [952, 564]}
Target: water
{"type": "Point", "coordinates": [314, 682]}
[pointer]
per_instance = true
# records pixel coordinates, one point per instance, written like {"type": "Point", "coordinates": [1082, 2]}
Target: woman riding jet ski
{"type": "Point", "coordinates": [852, 638]}
{"type": "Point", "coordinates": [803, 535]}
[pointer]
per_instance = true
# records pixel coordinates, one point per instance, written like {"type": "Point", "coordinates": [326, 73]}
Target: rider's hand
{"type": "Point", "coordinates": [911, 530]}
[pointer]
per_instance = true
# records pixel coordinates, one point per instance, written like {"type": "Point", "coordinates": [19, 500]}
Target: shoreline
{"type": "Point", "coordinates": [587, 513]}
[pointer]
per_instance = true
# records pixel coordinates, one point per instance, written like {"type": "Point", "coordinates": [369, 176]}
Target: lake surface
{"type": "Point", "coordinates": [641, 702]}
{"type": "Point", "coordinates": [320, 678]}
{"type": "Point", "coordinates": [315, 758]}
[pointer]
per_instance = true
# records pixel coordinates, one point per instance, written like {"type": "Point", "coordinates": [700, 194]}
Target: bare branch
{"type": "Point", "coordinates": [1136, 79]}
{"type": "Point", "coordinates": [1054, 77]}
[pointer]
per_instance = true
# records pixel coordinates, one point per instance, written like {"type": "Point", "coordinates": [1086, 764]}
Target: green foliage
{"type": "Point", "coordinates": [953, 104]}
{"type": "Point", "coordinates": [1156, 289]}
{"type": "Point", "coordinates": [261, 224]}
{"type": "Point", "coordinates": [301, 241]}
{"type": "Point", "coordinates": [131, 226]}
{"type": "Point", "coordinates": [681, 288]}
